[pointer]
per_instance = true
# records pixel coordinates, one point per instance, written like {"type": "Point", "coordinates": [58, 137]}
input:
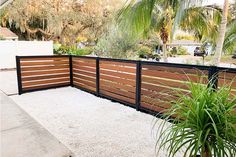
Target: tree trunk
{"type": "Point", "coordinates": [164, 37]}
{"type": "Point", "coordinates": [222, 29]}
{"type": "Point", "coordinates": [206, 152]}
{"type": "Point", "coordinates": [164, 52]}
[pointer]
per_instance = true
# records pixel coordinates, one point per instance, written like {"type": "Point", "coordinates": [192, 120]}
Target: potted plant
{"type": "Point", "coordinates": [204, 124]}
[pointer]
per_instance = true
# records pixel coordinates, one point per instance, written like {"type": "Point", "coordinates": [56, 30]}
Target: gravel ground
{"type": "Point", "coordinates": [91, 126]}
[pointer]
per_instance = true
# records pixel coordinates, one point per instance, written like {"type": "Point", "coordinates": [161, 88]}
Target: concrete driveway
{"type": "Point", "coordinates": [8, 82]}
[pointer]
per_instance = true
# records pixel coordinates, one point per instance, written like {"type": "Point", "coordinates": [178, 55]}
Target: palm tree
{"type": "Point", "coordinates": [222, 30]}
{"type": "Point", "coordinates": [229, 45]}
{"type": "Point", "coordinates": [165, 16]}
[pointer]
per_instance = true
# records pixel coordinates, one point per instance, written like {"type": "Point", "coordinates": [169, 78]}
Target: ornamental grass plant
{"type": "Point", "coordinates": [204, 123]}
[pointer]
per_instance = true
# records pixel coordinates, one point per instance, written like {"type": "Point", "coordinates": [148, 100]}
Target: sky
{"type": "Point", "coordinates": [219, 2]}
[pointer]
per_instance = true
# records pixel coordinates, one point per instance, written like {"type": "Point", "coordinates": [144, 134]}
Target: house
{"type": "Point", "coordinates": [4, 3]}
{"type": "Point", "coordinates": [7, 34]}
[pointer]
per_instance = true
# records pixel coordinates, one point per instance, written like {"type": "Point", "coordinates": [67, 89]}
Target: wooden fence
{"type": "Point", "coordinates": [149, 86]}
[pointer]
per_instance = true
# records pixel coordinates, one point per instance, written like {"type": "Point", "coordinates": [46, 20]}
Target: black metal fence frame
{"type": "Point", "coordinates": [212, 76]}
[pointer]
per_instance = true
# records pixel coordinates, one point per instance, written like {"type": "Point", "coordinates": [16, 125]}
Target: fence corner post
{"type": "Point", "coordinates": [97, 77]}
{"type": "Point", "coordinates": [18, 72]}
{"type": "Point", "coordinates": [213, 77]}
{"type": "Point", "coordinates": [71, 71]}
{"type": "Point", "coordinates": [138, 85]}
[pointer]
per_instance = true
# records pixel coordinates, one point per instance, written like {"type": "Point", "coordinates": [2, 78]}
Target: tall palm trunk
{"type": "Point", "coordinates": [164, 52]}
{"type": "Point", "coordinates": [222, 29]}
{"type": "Point", "coordinates": [164, 37]}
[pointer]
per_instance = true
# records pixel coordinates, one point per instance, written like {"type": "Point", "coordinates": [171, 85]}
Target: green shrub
{"type": "Point", "coordinates": [2, 38]}
{"type": "Point", "coordinates": [157, 57]}
{"type": "Point", "coordinates": [72, 50]}
{"type": "Point", "coordinates": [178, 51]}
{"type": "Point", "coordinates": [81, 51]}
{"type": "Point", "coordinates": [144, 51]}
{"type": "Point", "coordinates": [60, 49]}
{"type": "Point", "coordinates": [173, 51]}
{"type": "Point", "coordinates": [185, 37]}
{"type": "Point", "coordinates": [182, 51]}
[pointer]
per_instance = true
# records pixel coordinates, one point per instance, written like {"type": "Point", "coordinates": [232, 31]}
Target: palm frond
{"type": "Point", "coordinates": [229, 45]}
{"type": "Point", "coordinates": [136, 17]}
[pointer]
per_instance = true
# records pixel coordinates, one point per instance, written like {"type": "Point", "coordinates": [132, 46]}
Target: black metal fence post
{"type": "Point", "coordinates": [71, 71]}
{"type": "Point", "coordinates": [18, 72]}
{"type": "Point", "coordinates": [138, 84]}
{"type": "Point", "coordinates": [213, 77]}
{"type": "Point", "coordinates": [97, 76]}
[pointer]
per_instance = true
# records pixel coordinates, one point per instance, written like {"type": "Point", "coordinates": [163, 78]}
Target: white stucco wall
{"type": "Point", "coordinates": [10, 49]}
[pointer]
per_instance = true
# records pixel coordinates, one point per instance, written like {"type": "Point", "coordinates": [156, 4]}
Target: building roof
{"type": "Point", "coordinates": [4, 3]}
{"type": "Point", "coordinates": [7, 33]}
{"type": "Point", "coordinates": [184, 43]}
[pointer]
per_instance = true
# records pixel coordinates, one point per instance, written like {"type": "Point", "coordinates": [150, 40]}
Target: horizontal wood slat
{"type": "Point", "coordinates": [117, 74]}
{"type": "Point", "coordinates": [227, 78]}
{"type": "Point", "coordinates": [227, 75]}
{"type": "Point", "coordinates": [84, 86]}
{"type": "Point", "coordinates": [44, 63]}
{"type": "Point", "coordinates": [87, 69]}
{"type": "Point", "coordinates": [46, 86]}
{"type": "Point", "coordinates": [152, 107]}
{"type": "Point", "coordinates": [92, 79]}
{"type": "Point", "coordinates": [163, 89]}
{"type": "Point", "coordinates": [118, 80]}
{"type": "Point", "coordinates": [79, 72]}
{"type": "Point", "coordinates": [32, 83]}
{"type": "Point", "coordinates": [158, 95]}
{"type": "Point", "coordinates": [45, 58]}
{"type": "Point", "coordinates": [118, 68]}
{"type": "Point", "coordinates": [163, 82]}
{"type": "Point", "coordinates": [32, 73]}
{"type": "Point", "coordinates": [174, 76]}
{"type": "Point", "coordinates": [84, 59]}
{"type": "Point", "coordinates": [44, 68]}
{"type": "Point", "coordinates": [116, 63]}
{"type": "Point", "coordinates": [222, 82]}
{"type": "Point", "coordinates": [31, 78]}
{"type": "Point", "coordinates": [118, 91]}
{"type": "Point", "coordinates": [118, 85]}
{"type": "Point", "coordinates": [90, 64]}
{"type": "Point", "coordinates": [186, 71]}
{"type": "Point", "coordinates": [89, 83]}
{"type": "Point", "coordinates": [156, 102]}
{"type": "Point", "coordinates": [119, 97]}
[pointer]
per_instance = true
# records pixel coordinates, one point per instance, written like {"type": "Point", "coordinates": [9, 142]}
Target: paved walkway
{"type": "Point", "coordinates": [22, 136]}
{"type": "Point", "coordinates": [8, 82]}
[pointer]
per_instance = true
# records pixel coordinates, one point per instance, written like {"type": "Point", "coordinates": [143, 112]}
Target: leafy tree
{"type": "Point", "coordinates": [222, 30]}
{"type": "Point", "coordinates": [58, 19]}
{"type": "Point", "coordinates": [115, 43]}
{"type": "Point", "coordinates": [229, 42]}
{"type": "Point", "coordinates": [164, 16]}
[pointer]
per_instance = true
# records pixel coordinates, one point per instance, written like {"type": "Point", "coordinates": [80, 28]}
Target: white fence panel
{"type": "Point", "coordinates": [10, 49]}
